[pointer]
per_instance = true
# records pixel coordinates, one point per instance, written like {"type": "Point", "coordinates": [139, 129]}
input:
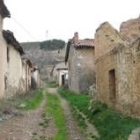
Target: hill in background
{"type": "Point", "coordinates": [45, 54]}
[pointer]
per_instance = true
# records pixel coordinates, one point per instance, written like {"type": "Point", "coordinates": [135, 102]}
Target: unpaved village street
{"type": "Point", "coordinates": [27, 126]}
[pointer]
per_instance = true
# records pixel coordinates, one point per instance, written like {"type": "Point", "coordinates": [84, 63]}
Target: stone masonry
{"type": "Point", "coordinates": [117, 64]}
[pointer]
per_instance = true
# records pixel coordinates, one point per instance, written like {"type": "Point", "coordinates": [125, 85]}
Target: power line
{"type": "Point", "coordinates": [20, 25]}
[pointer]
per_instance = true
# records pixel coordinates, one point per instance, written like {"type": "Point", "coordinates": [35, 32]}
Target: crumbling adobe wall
{"type": "Point", "coordinates": [113, 53]}
{"type": "Point", "coordinates": [106, 38]}
{"type": "Point", "coordinates": [130, 29]}
{"type": "Point", "coordinates": [14, 72]}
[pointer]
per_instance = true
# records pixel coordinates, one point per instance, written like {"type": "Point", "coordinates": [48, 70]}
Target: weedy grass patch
{"type": "Point", "coordinates": [34, 102]}
{"type": "Point", "coordinates": [54, 108]}
{"type": "Point", "coordinates": [111, 125]}
{"type": "Point", "coordinates": [27, 101]}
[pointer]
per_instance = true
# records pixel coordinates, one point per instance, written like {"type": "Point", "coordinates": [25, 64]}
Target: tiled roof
{"type": "Point", "coordinates": [10, 39]}
{"type": "Point", "coordinates": [87, 43]}
{"type": "Point", "coordinates": [81, 44]}
{"type": "Point", "coordinates": [3, 10]}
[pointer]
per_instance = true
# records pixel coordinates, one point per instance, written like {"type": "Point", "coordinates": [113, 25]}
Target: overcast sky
{"type": "Point", "coordinates": [37, 20]}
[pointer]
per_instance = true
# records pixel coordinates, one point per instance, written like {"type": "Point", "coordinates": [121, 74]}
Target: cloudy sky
{"type": "Point", "coordinates": [37, 20]}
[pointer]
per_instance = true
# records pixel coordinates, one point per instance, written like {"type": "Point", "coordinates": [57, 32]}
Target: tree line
{"type": "Point", "coordinates": [54, 44]}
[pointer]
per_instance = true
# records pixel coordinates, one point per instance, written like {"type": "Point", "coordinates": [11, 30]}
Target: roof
{"type": "Point", "coordinates": [86, 43]}
{"type": "Point", "coordinates": [3, 10]}
{"type": "Point", "coordinates": [80, 44]}
{"type": "Point", "coordinates": [67, 50]}
{"type": "Point", "coordinates": [10, 39]}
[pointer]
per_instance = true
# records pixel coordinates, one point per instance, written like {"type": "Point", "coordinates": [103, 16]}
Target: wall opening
{"type": "Point", "coordinates": [8, 57]}
{"type": "Point", "coordinates": [112, 85]}
{"type": "Point", "coordinates": [63, 80]}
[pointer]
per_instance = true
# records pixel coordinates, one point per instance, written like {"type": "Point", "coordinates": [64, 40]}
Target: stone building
{"type": "Point", "coordinates": [80, 59]}
{"type": "Point", "coordinates": [59, 73]}
{"type": "Point", "coordinates": [62, 77]}
{"type": "Point", "coordinates": [3, 13]}
{"type": "Point", "coordinates": [117, 64]}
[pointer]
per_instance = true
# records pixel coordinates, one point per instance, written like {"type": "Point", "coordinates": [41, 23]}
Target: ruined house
{"type": "Point", "coordinates": [63, 76]}
{"type": "Point", "coordinates": [59, 74]}
{"type": "Point", "coordinates": [117, 64]}
{"type": "Point", "coordinates": [26, 73]}
{"type": "Point", "coordinates": [130, 29]}
{"type": "Point", "coordinates": [80, 59]}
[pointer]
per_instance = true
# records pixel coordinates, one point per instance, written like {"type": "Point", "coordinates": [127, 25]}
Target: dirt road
{"type": "Point", "coordinates": [73, 130]}
{"type": "Point", "coordinates": [27, 126]}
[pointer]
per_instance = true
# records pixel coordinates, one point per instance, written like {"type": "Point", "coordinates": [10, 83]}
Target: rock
{"type": "Point", "coordinates": [133, 137]}
{"type": "Point", "coordinates": [22, 105]}
{"type": "Point", "coordinates": [135, 134]}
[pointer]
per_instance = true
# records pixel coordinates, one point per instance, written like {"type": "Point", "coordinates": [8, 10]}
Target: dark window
{"type": "Point", "coordinates": [112, 85]}
{"type": "Point", "coordinates": [8, 57]}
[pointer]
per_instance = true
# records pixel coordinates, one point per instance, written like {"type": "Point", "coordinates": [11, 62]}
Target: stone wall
{"type": "Point", "coordinates": [117, 70]}
{"type": "Point", "coordinates": [73, 80]}
{"type": "Point", "coordinates": [135, 83]}
{"type": "Point", "coordinates": [81, 69]}
{"type": "Point", "coordinates": [110, 65]}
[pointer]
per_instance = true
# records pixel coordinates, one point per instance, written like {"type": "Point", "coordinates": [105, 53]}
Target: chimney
{"type": "Point", "coordinates": [76, 37]}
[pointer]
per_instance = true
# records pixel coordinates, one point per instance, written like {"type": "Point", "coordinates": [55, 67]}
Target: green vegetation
{"type": "Point", "coordinates": [34, 102]}
{"type": "Point", "coordinates": [29, 100]}
{"type": "Point", "coordinates": [54, 108]}
{"type": "Point", "coordinates": [110, 124]}
{"type": "Point", "coordinates": [52, 44]}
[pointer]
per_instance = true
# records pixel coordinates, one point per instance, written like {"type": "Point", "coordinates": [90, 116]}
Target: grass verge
{"type": "Point", "coordinates": [54, 108]}
{"type": "Point", "coordinates": [34, 102]}
{"type": "Point", "coordinates": [110, 124]}
{"type": "Point", "coordinates": [27, 101]}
